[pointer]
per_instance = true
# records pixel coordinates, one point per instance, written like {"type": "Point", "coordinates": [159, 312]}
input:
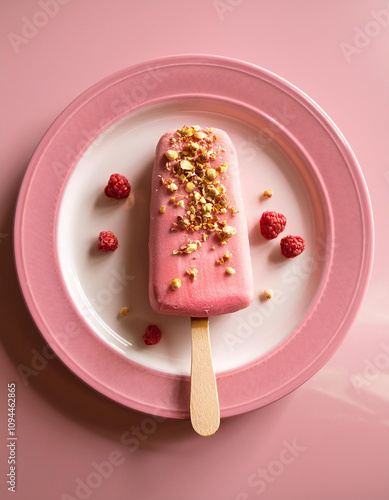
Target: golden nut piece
{"type": "Point", "coordinates": [268, 293]}
{"type": "Point", "coordinates": [189, 187]}
{"type": "Point", "coordinates": [228, 232]}
{"type": "Point", "coordinates": [124, 311]}
{"type": "Point", "coordinates": [172, 187]}
{"type": "Point", "coordinates": [171, 154]}
{"type": "Point", "coordinates": [175, 284]}
{"type": "Point", "coordinates": [200, 135]}
{"type": "Point", "coordinates": [230, 270]}
{"type": "Point", "coordinates": [186, 165]}
{"type": "Point", "coordinates": [211, 174]}
{"type": "Point", "coordinates": [162, 209]}
{"type": "Point", "coordinates": [268, 193]}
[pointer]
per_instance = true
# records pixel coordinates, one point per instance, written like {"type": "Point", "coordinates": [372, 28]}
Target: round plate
{"type": "Point", "coordinates": [285, 142]}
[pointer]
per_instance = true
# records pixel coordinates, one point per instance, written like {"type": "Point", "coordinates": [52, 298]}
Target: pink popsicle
{"type": "Point", "coordinates": [199, 251]}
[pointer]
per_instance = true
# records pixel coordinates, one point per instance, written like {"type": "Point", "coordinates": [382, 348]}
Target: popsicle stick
{"type": "Point", "coordinates": [204, 401]}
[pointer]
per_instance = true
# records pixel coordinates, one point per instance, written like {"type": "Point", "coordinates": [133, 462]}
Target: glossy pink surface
{"type": "Point", "coordinates": [326, 440]}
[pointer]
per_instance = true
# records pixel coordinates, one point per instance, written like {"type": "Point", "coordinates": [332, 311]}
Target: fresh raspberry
{"type": "Point", "coordinates": [152, 335]}
{"type": "Point", "coordinates": [107, 242]}
{"type": "Point", "coordinates": [292, 246]}
{"type": "Point", "coordinates": [118, 187]}
{"type": "Point", "coordinates": [272, 224]}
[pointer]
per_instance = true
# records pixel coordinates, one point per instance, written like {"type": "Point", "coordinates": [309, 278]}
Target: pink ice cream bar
{"type": "Point", "coordinates": [200, 262]}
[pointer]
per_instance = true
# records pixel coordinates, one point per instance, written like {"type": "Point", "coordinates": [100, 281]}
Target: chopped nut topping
{"type": "Point", "coordinates": [192, 273]}
{"type": "Point", "coordinates": [187, 131]}
{"type": "Point", "coordinates": [171, 154]}
{"type": "Point", "coordinates": [268, 193]}
{"type": "Point", "coordinates": [230, 270]}
{"type": "Point", "coordinates": [228, 232]}
{"type": "Point", "coordinates": [175, 284]}
{"type": "Point", "coordinates": [189, 187]}
{"type": "Point", "coordinates": [162, 209]}
{"type": "Point", "coordinates": [200, 135]}
{"type": "Point", "coordinates": [224, 259]}
{"type": "Point", "coordinates": [268, 293]}
{"type": "Point", "coordinates": [194, 165]}
{"type": "Point", "coordinates": [189, 247]}
{"type": "Point", "coordinates": [172, 187]}
{"type": "Point", "coordinates": [124, 311]}
{"type": "Point", "coordinates": [186, 165]}
{"type": "Point", "coordinates": [211, 174]}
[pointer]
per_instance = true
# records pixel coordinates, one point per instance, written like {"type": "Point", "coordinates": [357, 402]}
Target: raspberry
{"type": "Point", "coordinates": [292, 246]}
{"type": "Point", "coordinates": [107, 242]}
{"type": "Point", "coordinates": [272, 224]}
{"type": "Point", "coordinates": [118, 187]}
{"type": "Point", "coordinates": [152, 335]}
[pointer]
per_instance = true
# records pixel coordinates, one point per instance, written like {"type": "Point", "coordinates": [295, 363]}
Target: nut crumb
{"type": "Point", "coordinates": [192, 273]}
{"type": "Point", "coordinates": [224, 259]}
{"type": "Point", "coordinates": [162, 209]}
{"type": "Point", "coordinates": [268, 193]}
{"type": "Point", "coordinates": [124, 311]}
{"type": "Point", "coordinates": [175, 284]}
{"type": "Point", "coordinates": [268, 293]}
{"type": "Point", "coordinates": [172, 187]}
{"type": "Point", "coordinates": [230, 270]}
{"type": "Point", "coordinates": [171, 154]}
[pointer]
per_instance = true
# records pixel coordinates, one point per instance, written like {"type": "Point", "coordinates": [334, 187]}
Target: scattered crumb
{"type": "Point", "coordinates": [268, 293]}
{"type": "Point", "coordinates": [124, 311]}
{"type": "Point", "coordinates": [175, 284]}
{"type": "Point", "coordinates": [268, 193]}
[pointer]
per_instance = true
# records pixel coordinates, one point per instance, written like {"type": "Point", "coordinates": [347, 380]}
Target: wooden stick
{"type": "Point", "coordinates": [204, 401]}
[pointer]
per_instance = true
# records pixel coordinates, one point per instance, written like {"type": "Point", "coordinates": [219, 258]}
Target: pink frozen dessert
{"type": "Point", "coordinates": [199, 252]}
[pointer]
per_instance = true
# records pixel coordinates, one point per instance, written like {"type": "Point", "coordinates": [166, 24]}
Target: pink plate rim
{"type": "Point", "coordinates": [88, 356]}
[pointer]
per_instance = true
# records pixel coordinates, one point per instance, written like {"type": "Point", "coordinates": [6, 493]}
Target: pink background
{"type": "Point", "coordinates": [326, 441]}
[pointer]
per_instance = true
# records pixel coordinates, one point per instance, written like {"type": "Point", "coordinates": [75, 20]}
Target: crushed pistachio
{"type": "Point", "coordinates": [192, 273]}
{"type": "Point", "coordinates": [228, 232]}
{"type": "Point", "coordinates": [186, 165]}
{"type": "Point", "coordinates": [268, 193]}
{"type": "Point", "coordinates": [171, 154]}
{"type": "Point", "coordinates": [124, 311]}
{"type": "Point", "coordinates": [175, 284]}
{"type": "Point", "coordinates": [189, 247]}
{"type": "Point", "coordinates": [189, 187]}
{"type": "Point", "coordinates": [172, 187]}
{"type": "Point", "coordinates": [211, 174]}
{"type": "Point", "coordinates": [200, 135]}
{"type": "Point", "coordinates": [230, 270]}
{"type": "Point", "coordinates": [224, 259]}
{"type": "Point", "coordinates": [268, 293]}
{"type": "Point", "coordinates": [196, 165]}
